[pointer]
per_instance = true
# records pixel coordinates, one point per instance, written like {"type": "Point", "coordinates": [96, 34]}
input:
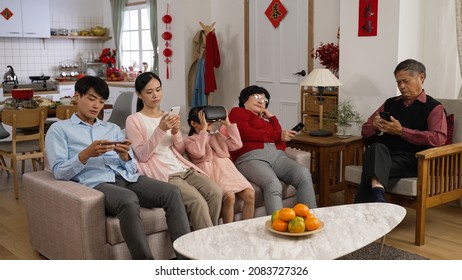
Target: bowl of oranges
{"type": "Point", "coordinates": [296, 221]}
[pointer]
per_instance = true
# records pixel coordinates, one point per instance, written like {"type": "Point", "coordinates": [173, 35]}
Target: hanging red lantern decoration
{"type": "Point", "coordinates": [167, 52]}
{"type": "Point", "coordinates": [167, 18]}
{"type": "Point", "coordinates": [167, 36]}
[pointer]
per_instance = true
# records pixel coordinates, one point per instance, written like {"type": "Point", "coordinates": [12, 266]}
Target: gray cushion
{"type": "Point", "coordinates": [405, 186]}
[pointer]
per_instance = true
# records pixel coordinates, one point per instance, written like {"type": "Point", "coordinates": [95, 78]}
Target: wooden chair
{"type": "Point", "coordinates": [439, 178]}
{"type": "Point", "coordinates": [23, 146]}
{"type": "Point", "coordinates": [64, 112]}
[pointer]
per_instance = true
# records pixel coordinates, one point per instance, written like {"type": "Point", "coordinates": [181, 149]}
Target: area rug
{"type": "Point", "coordinates": [371, 252]}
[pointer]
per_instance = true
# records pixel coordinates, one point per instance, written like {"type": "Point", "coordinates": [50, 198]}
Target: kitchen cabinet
{"type": "Point", "coordinates": [66, 90]}
{"type": "Point", "coordinates": [310, 115]}
{"type": "Point", "coordinates": [20, 18]}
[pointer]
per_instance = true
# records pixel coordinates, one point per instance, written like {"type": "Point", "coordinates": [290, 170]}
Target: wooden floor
{"type": "Point", "coordinates": [443, 236]}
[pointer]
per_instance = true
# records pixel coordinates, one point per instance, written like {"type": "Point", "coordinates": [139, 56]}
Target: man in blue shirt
{"type": "Point", "coordinates": [82, 149]}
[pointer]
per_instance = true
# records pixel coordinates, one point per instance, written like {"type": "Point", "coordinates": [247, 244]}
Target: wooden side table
{"type": "Point", "coordinates": [329, 156]}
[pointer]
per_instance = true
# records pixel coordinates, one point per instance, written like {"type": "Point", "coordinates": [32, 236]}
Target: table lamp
{"type": "Point", "coordinates": [321, 78]}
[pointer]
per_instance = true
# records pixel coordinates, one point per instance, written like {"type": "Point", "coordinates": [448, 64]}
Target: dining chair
{"type": "Point", "coordinates": [64, 112]}
{"type": "Point", "coordinates": [23, 146]}
{"type": "Point", "coordinates": [3, 133]}
{"type": "Point", "coordinates": [122, 109]}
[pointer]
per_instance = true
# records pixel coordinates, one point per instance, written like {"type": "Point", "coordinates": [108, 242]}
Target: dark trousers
{"type": "Point", "coordinates": [123, 199]}
{"type": "Point", "coordinates": [388, 166]}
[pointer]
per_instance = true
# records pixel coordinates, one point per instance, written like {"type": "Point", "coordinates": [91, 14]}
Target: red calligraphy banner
{"type": "Point", "coordinates": [276, 12]}
{"type": "Point", "coordinates": [367, 17]}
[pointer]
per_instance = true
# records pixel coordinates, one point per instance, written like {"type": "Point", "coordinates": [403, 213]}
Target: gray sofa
{"type": "Point", "coordinates": [67, 220]}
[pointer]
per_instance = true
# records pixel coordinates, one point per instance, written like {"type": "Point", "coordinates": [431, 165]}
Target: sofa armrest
{"type": "Point", "coordinates": [66, 219]}
{"type": "Point", "coordinates": [302, 157]}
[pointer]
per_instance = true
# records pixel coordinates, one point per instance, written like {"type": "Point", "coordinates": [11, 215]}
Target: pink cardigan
{"type": "Point", "coordinates": [144, 147]}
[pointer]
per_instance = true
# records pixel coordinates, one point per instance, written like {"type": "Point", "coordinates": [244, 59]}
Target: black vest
{"type": "Point", "coordinates": [412, 117]}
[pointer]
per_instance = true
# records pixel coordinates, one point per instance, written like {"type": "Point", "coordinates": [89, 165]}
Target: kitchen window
{"type": "Point", "coordinates": [136, 39]}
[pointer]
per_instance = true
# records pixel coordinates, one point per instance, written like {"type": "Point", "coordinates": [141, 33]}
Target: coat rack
{"type": "Point", "coordinates": [207, 29]}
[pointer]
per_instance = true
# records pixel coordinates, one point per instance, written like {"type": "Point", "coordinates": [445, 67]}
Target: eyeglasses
{"type": "Point", "coordinates": [260, 99]}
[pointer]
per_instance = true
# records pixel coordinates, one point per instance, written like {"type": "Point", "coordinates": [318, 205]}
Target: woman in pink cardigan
{"type": "Point", "coordinates": [158, 146]}
{"type": "Point", "coordinates": [210, 151]}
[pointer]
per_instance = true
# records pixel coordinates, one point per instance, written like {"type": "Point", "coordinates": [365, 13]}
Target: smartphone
{"type": "Point", "coordinates": [116, 142]}
{"type": "Point", "coordinates": [385, 115]}
{"type": "Point", "coordinates": [298, 127]}
{"type": "Point", "coordinates": [174, 111]}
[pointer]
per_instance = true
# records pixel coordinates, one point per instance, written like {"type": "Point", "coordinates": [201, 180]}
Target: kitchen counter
{"type": "Point", "coordinates": [109, 83]}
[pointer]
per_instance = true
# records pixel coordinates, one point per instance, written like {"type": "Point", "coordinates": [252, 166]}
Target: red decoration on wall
{"type": "Point", "coordinates": [7, 14]}
{"type": "Point", "coordinates": [276, 12]}
{"type": "Point", "coordinates": [167, 36]}
{"type": "Point", "coordinates": [367, 17]}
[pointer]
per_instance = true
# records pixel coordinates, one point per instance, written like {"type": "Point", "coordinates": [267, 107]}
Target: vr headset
{"type": "Point", "coordinates": [214, 113]}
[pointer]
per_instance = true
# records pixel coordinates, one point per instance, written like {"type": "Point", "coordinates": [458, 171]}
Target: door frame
{"type": "Point", "coordinates": [310, 61]}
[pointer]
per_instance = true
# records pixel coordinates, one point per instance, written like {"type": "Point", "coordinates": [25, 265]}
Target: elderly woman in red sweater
{"type": "Point", "coordinates": [262, 159]}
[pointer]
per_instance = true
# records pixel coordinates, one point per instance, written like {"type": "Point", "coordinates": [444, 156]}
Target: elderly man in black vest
{"type": "Point", "coordinates": [416, 122]}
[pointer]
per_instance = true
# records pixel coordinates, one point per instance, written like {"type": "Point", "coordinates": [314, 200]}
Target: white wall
{"type": "Point", "coordinates": [326, 24]}
{"type": "Point", "coordinates": [367, 63]}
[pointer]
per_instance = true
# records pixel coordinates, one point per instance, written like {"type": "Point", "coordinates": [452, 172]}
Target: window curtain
{"type": "Point", "coordinates": [152, 13]}
{"type": "Point", "coordinates": [117, 10]}
{"type": "Point", "coordinates": [459, 36]}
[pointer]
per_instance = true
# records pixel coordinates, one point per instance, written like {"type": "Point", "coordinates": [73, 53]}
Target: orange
{"type": "Point", "coordinates": [301, 210]}
{"type": "Point", "coordinates": [279, 225]}
{"type": "Point", "coordinates": [296, 225]}
{"type": "Point", "coordinates": [275, 215]}
{"type": "Point", "coordinates": [312, 223]}
{"type": "Point", "coordinates": [286, 214]}
{"type": "Point", "coordinates": [309, 216]}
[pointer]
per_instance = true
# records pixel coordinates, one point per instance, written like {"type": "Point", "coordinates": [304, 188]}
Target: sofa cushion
{"type": "Point", "coordinates": [153, 221]}
{"type": "Point", "coordinates": [405, 186]}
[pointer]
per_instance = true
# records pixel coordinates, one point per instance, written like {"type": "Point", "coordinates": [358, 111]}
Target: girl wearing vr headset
{"type": "Point", "coordinates": [210, 152]}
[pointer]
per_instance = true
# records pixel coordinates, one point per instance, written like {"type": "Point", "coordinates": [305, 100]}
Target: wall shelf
{"type": "Point", "coordinates": [101, 38]}
{"type": "Point", "coordinates": [73, 38]}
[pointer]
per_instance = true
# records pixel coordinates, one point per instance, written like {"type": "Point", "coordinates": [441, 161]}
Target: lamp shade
{"type": "Point", "coordinates": [321, 78]}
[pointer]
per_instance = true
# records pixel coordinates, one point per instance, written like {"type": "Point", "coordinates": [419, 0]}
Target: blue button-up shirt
{"type": "Point", "coordinates": [66, 139]}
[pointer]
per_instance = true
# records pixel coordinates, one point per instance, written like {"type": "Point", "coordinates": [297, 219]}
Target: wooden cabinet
{"type": "Point", "coordinates": [26, 18]}
{"type": "Point", "coordinates": [310, 100]}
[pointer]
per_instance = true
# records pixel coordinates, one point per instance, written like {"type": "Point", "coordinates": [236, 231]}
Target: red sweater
{"type": "Point", "coordinates": [255, 131]}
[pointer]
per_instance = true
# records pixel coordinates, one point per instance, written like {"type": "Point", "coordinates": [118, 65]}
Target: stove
{"type": "Point", "coordinates": [36, 86]}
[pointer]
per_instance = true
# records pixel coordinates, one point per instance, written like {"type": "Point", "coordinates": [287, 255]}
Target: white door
{"type": "Point", "coordinates": [275, 54]}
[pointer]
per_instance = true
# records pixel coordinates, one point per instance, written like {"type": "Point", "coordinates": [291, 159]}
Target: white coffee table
{"type": "Point", "coordinates": [347, 229]}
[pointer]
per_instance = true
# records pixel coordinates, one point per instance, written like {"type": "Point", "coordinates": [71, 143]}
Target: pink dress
{"type": "Point", "coordinates": [210, 152]}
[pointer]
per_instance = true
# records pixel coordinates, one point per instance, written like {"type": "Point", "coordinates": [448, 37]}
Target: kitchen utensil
{"type": "Point", "coordinates": [99, 31]}
{"type": "Point", "coordinates": [10, 76]}
{"type": "Point", "coordinates": [39, 78]}
{"type": "Point", "coordinates": [22, 93]}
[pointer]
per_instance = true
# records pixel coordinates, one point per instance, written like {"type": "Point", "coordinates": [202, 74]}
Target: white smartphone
{"type": "Point", "coordinates": [174, 111]}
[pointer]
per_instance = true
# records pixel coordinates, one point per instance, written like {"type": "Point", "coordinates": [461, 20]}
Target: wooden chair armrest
{"type": "Point", "coordinates": [450, 149]}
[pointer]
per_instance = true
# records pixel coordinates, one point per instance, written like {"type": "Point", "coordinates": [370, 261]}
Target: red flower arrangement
{"type": "Point", "coordinates": [107, 56]}
{"type": "Point", "coordinates": [328, 55]}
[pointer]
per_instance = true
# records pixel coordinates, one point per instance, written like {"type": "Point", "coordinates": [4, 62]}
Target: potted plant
{"type": "Point", "coordinates": [345, 116]}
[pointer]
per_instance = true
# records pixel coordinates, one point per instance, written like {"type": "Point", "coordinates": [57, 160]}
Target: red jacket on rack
{"type": "Point", "coordinates": [212, 61]}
